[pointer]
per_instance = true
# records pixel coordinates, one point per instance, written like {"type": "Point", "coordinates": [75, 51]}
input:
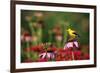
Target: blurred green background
{"type": "Point", "coordinates": [50, 26]}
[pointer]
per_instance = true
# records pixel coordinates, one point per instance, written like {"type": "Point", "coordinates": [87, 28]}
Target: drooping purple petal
{"type": "Point", "coordinates": [68, 45]}
{"type": "Point", "coordinates": [76, 44]}
{"type": "Point", "coordinates": [42, 55]}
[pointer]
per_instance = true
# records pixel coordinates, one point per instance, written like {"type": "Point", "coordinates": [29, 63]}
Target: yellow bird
{"type": "Point", "coordinates": [72, 34]}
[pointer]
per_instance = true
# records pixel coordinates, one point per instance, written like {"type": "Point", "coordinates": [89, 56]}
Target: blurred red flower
{"type": "Point", "coordinates": [86, 56]}
{"type": "Point", "coordinates": [42, 60]}
{"type": "Point", "coordinates": [38, 48]}
{"type": "Point", "coordinates": [77, 55]}
{"type": "Point", "coordinates": [27, 49]}
{"type": "Point", "coordinates": [57, 54]}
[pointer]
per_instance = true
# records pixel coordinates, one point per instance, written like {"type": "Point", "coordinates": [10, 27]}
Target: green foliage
{"type": "Point", "coordinates": [64, 19]}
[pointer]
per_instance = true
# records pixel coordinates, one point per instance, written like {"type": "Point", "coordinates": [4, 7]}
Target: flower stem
{"type": "Point", "coordinates": [28, 50]}
{"type": "Point", "coordinates": [72, 55]}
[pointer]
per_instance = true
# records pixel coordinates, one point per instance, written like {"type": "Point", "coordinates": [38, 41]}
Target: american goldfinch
{"type": "Point", "coordinates": [72, 42]}
{"type": "Point", "coordinates": [72, 34]}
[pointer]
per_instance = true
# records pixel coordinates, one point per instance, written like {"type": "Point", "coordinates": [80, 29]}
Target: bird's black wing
{"type": "Point", "coordinates": [76, 34]}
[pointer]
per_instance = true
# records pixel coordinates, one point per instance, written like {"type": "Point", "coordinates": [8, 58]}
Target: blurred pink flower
{"type": "Point", "coordinates": [58, 37]}
{"type": "Point", "coordinates": [71, 45]}
{"type": "Point", "coordinates": [47, 55]}
{"type": "Point", "coordinates": [26, 37]}
{"type": "Point", "coordinates": [34, 38]}
{"type": "Point", "coordinates": [38, 14]}
{"type": "Point", "coordinates": [28, 18]}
